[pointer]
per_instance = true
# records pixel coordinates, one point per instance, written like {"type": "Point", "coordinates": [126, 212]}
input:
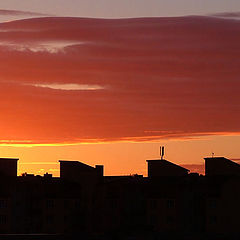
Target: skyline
{"type": "Point", "coordinates": [170, 202]}
{"type": "Point", "coordinates": [85, 89]}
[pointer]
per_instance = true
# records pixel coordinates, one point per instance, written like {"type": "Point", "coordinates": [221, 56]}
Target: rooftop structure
{"type": "Point", "coordinates": [161, 168]}
{"type": "Point", "coordinates": [221, 166]}
{"type": "Point", "coordinates": [75, 170]}
{"type": "Point", "coordinates": [8, 167]}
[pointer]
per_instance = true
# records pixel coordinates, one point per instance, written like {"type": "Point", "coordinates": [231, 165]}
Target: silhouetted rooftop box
{"type": "Point", "coordinates": [74, 169]}
{"type": "Point", "coordinates": [164, 168]}
{"type": "Point", "coordinates": [8, 167]}
{"type": "Point", "coordinates": [221, 166]}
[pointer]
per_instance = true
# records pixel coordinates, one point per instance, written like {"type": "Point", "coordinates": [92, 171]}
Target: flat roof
{"type": "Point", "coordinates": [15, 159]}
{"type": "Point", "coordinates": [168, 163]}
{"type": "Point", "coordinates": [78, 163]}
{"type": "Point", "coordinates": [69, 161]}
{"type": "Point", "coordinates": [154, 160]}
{"type": "Point", "coordinates": [216, 158]}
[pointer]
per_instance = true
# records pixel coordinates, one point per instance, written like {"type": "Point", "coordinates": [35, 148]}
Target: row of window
{"type": "Point", "coordinates": [50, 203]}
{"type": "Point", "coordinates": [169, 203]}
{"type": "Point", "coordinates": [154, 219]}
{"type": "Point", "coordinates": [50, 219]}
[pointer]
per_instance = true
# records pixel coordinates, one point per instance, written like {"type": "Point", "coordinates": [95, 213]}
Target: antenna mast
{"type": "Point", "coordinates": [161, 152]}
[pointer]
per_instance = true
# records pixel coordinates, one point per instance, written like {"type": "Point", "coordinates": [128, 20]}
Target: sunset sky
{"type": "Point", "coordinates": [111, 88]}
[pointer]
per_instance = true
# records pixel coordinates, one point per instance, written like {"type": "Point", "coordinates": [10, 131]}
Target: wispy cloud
{"type": "Point", "coordinates": [12, 15]}
{"type": "Point", "coordinates": [44, 46]}
{"type": "Point", "coordinates": [227, 15]}
{"type": "Point", "coordinates": [22, 13]}
{"type": "Point", "coordinates": [69, 86]}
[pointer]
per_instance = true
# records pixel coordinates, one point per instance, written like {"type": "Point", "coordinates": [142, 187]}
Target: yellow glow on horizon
{"type": "Point", "coordinates": [142, 139]}
{"type": "Point", "coordinates": [121, 158]}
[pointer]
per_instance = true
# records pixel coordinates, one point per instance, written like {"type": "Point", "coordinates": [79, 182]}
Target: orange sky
{"type": "Point", "coordinates": [147, 80]}
{"type": "Point", "coordinates": [124, 158]}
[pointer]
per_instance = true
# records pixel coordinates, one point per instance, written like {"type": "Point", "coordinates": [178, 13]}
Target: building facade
{"type": "Point", "coordinates": [83, 200]}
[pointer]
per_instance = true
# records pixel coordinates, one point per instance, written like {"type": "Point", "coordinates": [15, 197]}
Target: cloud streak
{"type": "Point", "coordinates": [69, 86]}
{"type": "Point", "coordinates": [51, 47]}
{"type": "Point", "coordinates": [118, 80]}
{"type": "Point", "coordinates": [13, 15]}
{"type": "Point", "coordinates": [21, 13]}
{"type": "Point", "coordinates": [228, 15]}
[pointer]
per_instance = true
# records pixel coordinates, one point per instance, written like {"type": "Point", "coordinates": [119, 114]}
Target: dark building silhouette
{"type": "Point", "coordinates": [221, 166]}
{"type": "Point", "coordinates": [84, 201]}
{"type": "Point", "coordinates": [161, 168]}
{"type": "Point", "coordinates": [75, 171]}
{"type": "Point", "coordinates": [8, 167]}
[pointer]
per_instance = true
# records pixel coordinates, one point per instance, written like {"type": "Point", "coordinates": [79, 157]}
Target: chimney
{"type": "Point", "coordinates": [99, 169]}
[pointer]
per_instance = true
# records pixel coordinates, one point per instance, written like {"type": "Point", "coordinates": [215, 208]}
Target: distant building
{"type": "Point", "coordinates": [160, 168]}
{"type": "Point", "coordinates": [83, 200]}
{"type": "Point", "coordinates": [8, 167]}
{"type": "Point", "coordinates": [221, 166]}
{"type": "Point", "coordinates": [75, 170]}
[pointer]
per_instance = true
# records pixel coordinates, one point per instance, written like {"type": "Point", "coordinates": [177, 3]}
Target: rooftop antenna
{"type": "Point", "coordinates": [161, 152]}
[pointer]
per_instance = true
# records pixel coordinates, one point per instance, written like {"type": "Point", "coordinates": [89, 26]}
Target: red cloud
{"type": "Point", "coordinates": [157, 78]}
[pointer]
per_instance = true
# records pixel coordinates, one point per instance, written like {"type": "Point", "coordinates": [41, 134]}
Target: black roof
{"type": "Point", "coordinates": [165, 162]}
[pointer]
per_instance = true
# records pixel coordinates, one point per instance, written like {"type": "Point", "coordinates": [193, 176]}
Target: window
{"type": "Point", "coordinates": [153, 204]}
{"type": "Point", "coordinates": [3, 203]}
{"type": "Point", "coordinates": [169, 219]}
{"type": "Point", "coordinates": [114, 203]}
{"type": "Point", "coordinates": [3, 219]}
{"type": "Point", "coordinates": [66, 203]}
{"type": "Point", "coordinates": [50, 203]}
{"type": "Point", "coordinates": [78, 203]}
{"type": "Point", "coordinates": [170, 203]}
{"type": "Point", "coordinates": [50, 219]}
{"type": "Point", "coordinates": [212, 203]}
{"type": "Point", "coordinates": [153, 219]}
{"type": "Point", "coordinates": [213, 219]}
